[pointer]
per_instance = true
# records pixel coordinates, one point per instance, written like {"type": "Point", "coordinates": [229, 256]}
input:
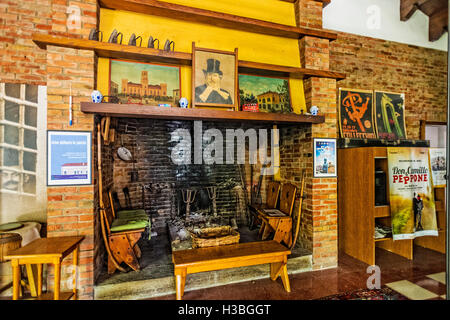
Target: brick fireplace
{"type": "Point", "coordinates": [75, 210]}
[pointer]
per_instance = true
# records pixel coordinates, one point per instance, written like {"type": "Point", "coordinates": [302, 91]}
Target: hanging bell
{"type": "Point", "coordinates": [168, 44]}
{"type": "Point", "coordinates": [133, 39]}
{"type": "Point", "coordinates": [114, 36]}
{"type": "Point", "coordinates": [93, 35]}
{"type": "Point", "coordinates": [151, 43]}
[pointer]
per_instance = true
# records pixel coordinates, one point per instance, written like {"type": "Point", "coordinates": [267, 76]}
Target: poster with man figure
{"type": "Point", "coordinates": [413, 212]}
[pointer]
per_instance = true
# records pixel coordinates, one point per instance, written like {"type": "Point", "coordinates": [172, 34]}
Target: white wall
{"type": "Point", "coordinates": [380, 19]}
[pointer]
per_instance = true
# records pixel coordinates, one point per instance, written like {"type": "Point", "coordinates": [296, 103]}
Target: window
{"type": "Point", "coordinates": [18, 138]}
{"type": "Point", "coordinates": [435, 132]}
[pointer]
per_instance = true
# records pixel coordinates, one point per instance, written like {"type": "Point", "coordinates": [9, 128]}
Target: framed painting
{"type": "Point", "coordinates": [325, 157]}
{"type": "Point", "coordinates": [214, 78]}
{"type": "Point", "coordinates": [390, 115]}
{"type": "Point", "coordinates": [356, 114]}
{"type": "Point", "coordinates": [69, 158]}
{"type": "Point", "coordinates": [270, 94]}
{"type": "Point", "coordinates": [145, 83]}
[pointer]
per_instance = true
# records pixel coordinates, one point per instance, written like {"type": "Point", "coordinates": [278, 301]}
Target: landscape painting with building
{"type": "Point", "coordinates": [355, 114]}
{"type": "Point", "coordinates": [270, 94]}
{"type": "Point", "coordinates": [143, 83]}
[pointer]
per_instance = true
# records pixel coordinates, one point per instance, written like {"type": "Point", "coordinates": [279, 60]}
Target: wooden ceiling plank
{"type": "Point", "coordinates": [430, 7]}
{"type": "Point", "coordinates": [438, 25]}
{"type": "Point", "coordinates": [218, 19]}
{"type": "Point", "coordinates": [407, 9]}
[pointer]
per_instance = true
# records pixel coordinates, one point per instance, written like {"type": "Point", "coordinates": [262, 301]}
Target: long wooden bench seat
{"type": "Point", "coordinates": [231, 256]}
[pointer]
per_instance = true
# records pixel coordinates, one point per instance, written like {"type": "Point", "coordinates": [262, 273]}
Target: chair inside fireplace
{"type": "Point", "coordinates": [194, 209]}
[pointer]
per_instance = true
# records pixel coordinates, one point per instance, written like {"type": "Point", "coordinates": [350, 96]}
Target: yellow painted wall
{"type": "Point", "coordinates": [252, 47]}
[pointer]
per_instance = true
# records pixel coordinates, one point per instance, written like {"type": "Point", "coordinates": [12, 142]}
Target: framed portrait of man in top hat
{"type": "Point", "coordinates": [214, 78]}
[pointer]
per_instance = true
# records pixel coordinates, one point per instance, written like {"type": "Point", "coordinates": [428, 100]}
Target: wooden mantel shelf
{"type": "Point", "coordinates": [218, 19]}
{"type": "Point", "coordinates": [167, 113]}
{"type": "Point", "coordinates": [126, 52]}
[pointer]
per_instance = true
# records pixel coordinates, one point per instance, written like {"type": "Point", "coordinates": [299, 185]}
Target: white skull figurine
{"type": "Point", "coordinates": [314, 110]}
{"type": "Point", "coordinates": [96, 96]}
{"type": "Point", "coordinates": [184, 103]}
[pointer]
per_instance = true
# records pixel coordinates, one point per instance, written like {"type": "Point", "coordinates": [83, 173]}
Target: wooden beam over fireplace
{"type": "Point", "coordinates": [174, 113]}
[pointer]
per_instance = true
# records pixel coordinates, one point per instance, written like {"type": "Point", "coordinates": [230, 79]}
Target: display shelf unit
{"type": "Point", "coordinates": [126, 52]}
{"type": "Point", "coordinates": [175, 113]}
{"type": "Point", "coordinates": [213, 18]}
{"type": "Point", "coordinates": [357, 211]}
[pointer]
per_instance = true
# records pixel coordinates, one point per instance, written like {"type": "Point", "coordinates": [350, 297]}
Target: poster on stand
{"type": "Point", "coordinates": [390, 115]}
{"type": "Point", "coordinates": [413, 212]}
{"type": "Point", "coordinates": [356, 114]}
{"type": "Point", "coordinates": [69, 158]}
{"type": "Point", "coordinates": [438, 166]}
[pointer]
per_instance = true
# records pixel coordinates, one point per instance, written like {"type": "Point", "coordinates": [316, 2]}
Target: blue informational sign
{"type": "Point", "coordinates": [69, 158]}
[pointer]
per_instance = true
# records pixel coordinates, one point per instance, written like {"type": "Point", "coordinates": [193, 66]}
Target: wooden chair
{"type": "Point", "coordinates": [120, 237]}
{"type": "Point", "coordinates": [120, 213]}
{"type": "Point", "coordinates": [279, 221]}
{"type": "Point", "coordinates": [272, 194]}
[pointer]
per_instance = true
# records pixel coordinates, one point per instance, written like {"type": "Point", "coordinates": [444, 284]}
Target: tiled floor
{"type": "Point", "coordinates": [421, 278]}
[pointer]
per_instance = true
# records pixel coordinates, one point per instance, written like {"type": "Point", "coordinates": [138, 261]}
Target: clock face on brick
{"type": "Point", "coordinates": [356, 114]}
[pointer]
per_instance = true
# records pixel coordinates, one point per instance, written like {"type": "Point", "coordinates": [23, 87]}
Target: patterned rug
{"type": "Point", "coordinates": [384, 293]}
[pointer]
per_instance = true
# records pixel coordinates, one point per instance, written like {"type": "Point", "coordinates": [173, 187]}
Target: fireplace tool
{"type": "Point", "coordinates": [134, 173]}
{"type": "Point", "coordinates": [188, 199]}
{"type": "Point", "coordinates": [212, 194]}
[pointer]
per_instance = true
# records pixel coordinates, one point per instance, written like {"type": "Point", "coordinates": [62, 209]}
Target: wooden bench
{"type": "Point", "coordinates": [231, 256]}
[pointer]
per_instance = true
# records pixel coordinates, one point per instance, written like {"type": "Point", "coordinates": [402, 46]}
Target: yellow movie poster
{"type": "Point", "coordinates": [413, 212]}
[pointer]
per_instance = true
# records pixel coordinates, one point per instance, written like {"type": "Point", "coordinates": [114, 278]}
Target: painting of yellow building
{"type": "Point", "coordinates": [145, 83]}
{"type": "Point", "coordinates": [271, 94]}
{"type": "Point", "coordinates": [271, 101]}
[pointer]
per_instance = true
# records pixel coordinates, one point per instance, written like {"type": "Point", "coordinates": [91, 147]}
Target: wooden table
{"type": "Point", "coordinates": [46, 250]}
{"type": "Point", "coordinates": [231, 256]}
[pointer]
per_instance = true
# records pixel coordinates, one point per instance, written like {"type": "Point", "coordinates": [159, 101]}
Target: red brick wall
{"type": "Point", "coordinates": [376, 64]}
{"type": "Point", "coordinates": [21, 60]}
{"type": "Point", "coordinates": [319, 215]}
{"type": "Point", "coordinates": [71, 210]}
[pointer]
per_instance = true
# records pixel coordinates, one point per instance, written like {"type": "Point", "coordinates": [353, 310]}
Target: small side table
{"type": "Point", "coordinates": [49, 251]}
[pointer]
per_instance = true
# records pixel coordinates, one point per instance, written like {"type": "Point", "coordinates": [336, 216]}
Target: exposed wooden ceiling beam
{"type": "Point", "coordinates": [436, 10]}
{"type": "Point", "coordinates": [325, 2]}
{"type": "Point", "coordinates": [438, 25]}
{"type": "Point", "coordinates": [409, 7]}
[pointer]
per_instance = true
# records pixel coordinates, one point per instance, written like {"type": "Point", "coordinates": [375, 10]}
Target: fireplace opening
{"type": "Point", "coordinates": [180, 199]}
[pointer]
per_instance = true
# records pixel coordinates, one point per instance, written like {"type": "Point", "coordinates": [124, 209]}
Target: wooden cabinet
{"type": "Point", "coordinates": [358, 213]}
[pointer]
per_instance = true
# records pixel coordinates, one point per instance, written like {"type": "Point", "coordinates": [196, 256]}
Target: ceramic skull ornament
{"type": "Point", "coordinates": [96, 96]}
{"type": "Point", "coordinates": [184, 103]}
{"type": "Point", "coordinates": [314, 110]}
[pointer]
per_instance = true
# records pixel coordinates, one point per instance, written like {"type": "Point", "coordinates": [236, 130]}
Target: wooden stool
{"type": "Point", "coordinates": [46, 250]}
